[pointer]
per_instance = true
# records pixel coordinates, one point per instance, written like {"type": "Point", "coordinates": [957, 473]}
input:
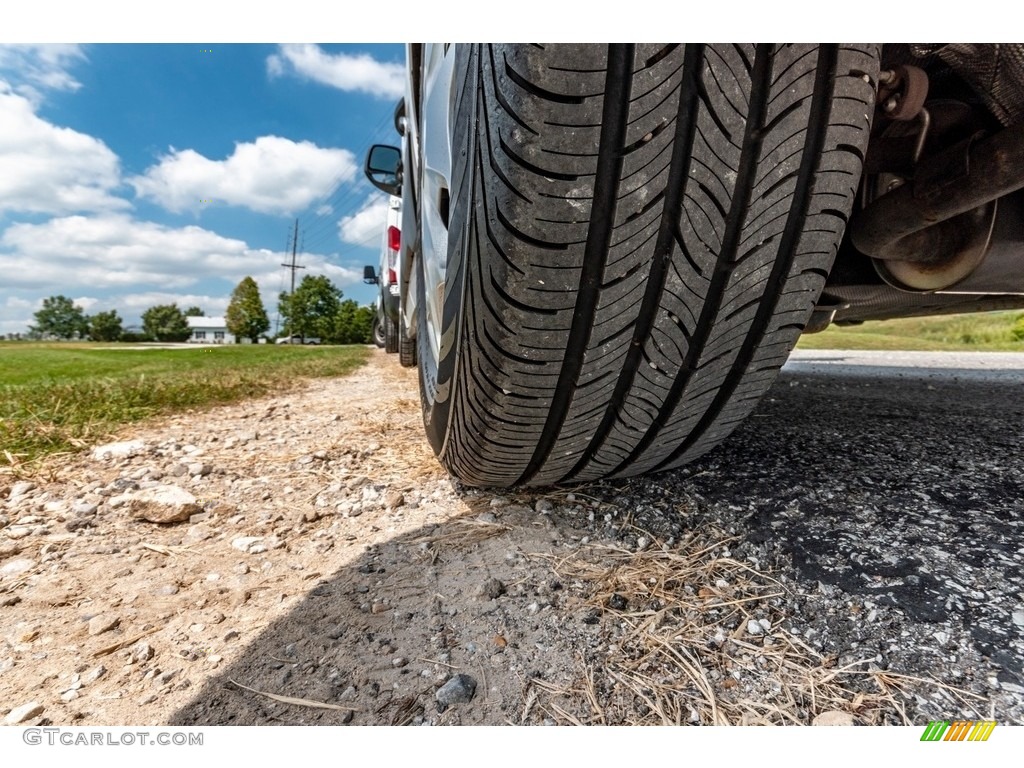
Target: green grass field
{"type": "Point", "coordinates": [58, 397]}
{"type": "Point", "coordinates": [980, 332]}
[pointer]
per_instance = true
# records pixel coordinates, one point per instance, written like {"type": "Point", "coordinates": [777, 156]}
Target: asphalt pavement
{"type": "Point", "coordinates": [889, 489]}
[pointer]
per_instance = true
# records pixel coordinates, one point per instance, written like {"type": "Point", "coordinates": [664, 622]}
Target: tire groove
{"type": "Point", "coordinates": [679, 168]}
{"type": "Point", "coordinates": [615, 113]}
{"type": "Point", "coordinates": [817, 130]}
{"type": "Point", "coordinates": [759, 92]}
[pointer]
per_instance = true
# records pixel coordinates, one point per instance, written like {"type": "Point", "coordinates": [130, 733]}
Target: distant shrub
{"type": "Point", "coordinates": [135, 337]}
{"type": "Point", "coordinates": [1018, 328]}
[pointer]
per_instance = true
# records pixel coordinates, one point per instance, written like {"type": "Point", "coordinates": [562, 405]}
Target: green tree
{"type": "Point", "coordinates": [352, 324]}
{"type": "Point", "coordinates": [194, 311]}
{"type": "Point", "coordinates": [60, 317]}
{"type": "Point", "coordinates": [246, 316]}
{"type": "Point", "coordinates": [166, 322]}
{"type": "Point", "coordinates": [105, 326]}
{"type": "Point", "coordinates": [312, 309]}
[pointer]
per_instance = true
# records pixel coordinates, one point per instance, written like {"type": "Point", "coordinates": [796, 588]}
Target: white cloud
{"type": "Point", "coordinates": [270, 175]}
{"type": "Point", "coordinates": [368, 221]}
{"type": "Point", "coordinates": [117, 262]}
{"type": "Point", "coordinates": [48, 169]}
{"type": "Point", "coordinates": [32, 69]}
{"type": "Point", "coordinates": [347, 72]}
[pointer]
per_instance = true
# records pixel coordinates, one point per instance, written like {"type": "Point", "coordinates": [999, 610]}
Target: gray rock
{"type": "Point", "coordinates": [834, 717]}
{"type": "Point", "coordinates": [162, 504]}
{"type": "Point", "coordinates": [20, 489]}
{"type": "Point", "coordinates": [23, 713]}
{"type": "Point", "coordinates": [94, 674]}
{"type": "Point", "coordinates": [249, 544]}
{"type": "Point", "coordinates": [103, 623]}
{"type": "Point", "coordinates": [1018, 618]}
{"type": "Point", "coordinates": [79, 523]}
{"type": "Point", "coordinates": [199, 469]}
{"type": "Point", "coordinates": [142, 651]}
{"type": "Point", "coordinates": [178, 470]}
{"type": "Point", "coordinates": [492, 589]}
{"type": "Point", "coordinates": [121, 450]}
{"type": "Point", "coordinates": [460, 689]}
{"type": "Point", "coordinates": [84, 508]}
{"type": "Point", "coordinates": [16, 567]}
{"type": "Point", "coordinates": [394, 499]}
{"type": "Point", "coordinates": [543, 506]}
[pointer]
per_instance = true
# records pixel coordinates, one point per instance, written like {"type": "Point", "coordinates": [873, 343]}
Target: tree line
{"type": "Point", "coordinates": [316, 310]}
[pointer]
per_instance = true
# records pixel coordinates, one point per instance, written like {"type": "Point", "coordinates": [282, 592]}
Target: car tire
{"type": "Point", "coordinates": [638, 235]}
{"type": "Point", "coordinates": [378, 332]}
{"type": "Point", "coordinates": [390, 335]}
{"type": "Point", "coordinates": [406, 350]}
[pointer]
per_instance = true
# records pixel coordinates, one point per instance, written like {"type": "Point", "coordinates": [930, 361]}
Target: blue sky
{"type": "Point", "coordinates": [138, 174]}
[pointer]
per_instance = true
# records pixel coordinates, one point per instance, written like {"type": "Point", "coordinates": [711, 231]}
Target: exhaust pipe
{"type": "Point", "coordinates": [936, 229]}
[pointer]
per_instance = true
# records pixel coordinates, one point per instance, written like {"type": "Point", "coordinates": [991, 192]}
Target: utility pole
{"type": "Point", "coordinates": [293, 267]}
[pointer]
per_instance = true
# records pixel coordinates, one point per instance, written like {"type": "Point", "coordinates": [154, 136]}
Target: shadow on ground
{"type": "Point", "coordinates": [890, 506]}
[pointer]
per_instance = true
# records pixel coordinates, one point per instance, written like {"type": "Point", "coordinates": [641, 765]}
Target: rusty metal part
{"type": "Point", "coordinates": [967, 176]}
{"type": "Point", "coordinates": [962, 241]}
{"type": "Point", "coordinates": [902, 92]}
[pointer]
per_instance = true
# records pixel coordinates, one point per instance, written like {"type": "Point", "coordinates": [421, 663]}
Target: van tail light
{"type": "Point", "coordinates": [394, 238]}
{"type": "Point", "coordinates": [392, 277]}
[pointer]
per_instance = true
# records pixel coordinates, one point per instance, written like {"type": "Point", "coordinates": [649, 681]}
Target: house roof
{"type": "Point", "coordinates": [207, 322]}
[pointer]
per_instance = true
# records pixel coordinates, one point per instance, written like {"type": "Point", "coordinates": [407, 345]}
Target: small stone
{"type": "Point", "coordinates": [199, 469]}
{"type": "Point", "coordinates": [69, 695]}
{"type": "Point", "coordinates": [16, 567]}
{"type": "Point", "coordinates": [544, 507]}
{"type": "Point", "coordinates": [179, 470]}
{"type": "Point", "coordinates": [834, 717]}
{"type": "Point", "coordinates": [238, 598]}
{"type": "Point", "coordinates": [147, 699]}
{"type": "Point", "coordinates": [162, 504]}
{"type": "Point", "coordinates": [617, 602]}
{"type": "Point", "coordinates": [94, 674]}
{"type": "Point", "coordinates": [378, 608]}
{"type": "Point", "coordinates": [230, 635]}
{"type": "Point", "coordinates": [460, 689]}
{"type": "Point", "coordinates": [79, 524]}
{"type": "Point", "coordinates": [757, 628]}
{"type": "Point", "coordinates": [84, 508]}
{"type": "Point", "coordinates": [492, 589]}
{"type": "Point", "coordinates": [399, 661]}
{"type": "Point", "coordinates": [249, 544]}
{"type": "Point", "coordinates": [166, 590]}
{"type": "Point", "coordinates": [1018, 618]}
{"type": "Point", "coordinates": [21, 488]}
{"type": "Point", "coordinates": [394, 499]}
{"type": "Point", "coordinates": [18, 532]}
{"type": "Point", "coordinates": [23, 713]}
{"type": "Point", "coordinates": [121, 450]}
{"type": "Point", "coordinates": [103, 623]}
{"type": "Point", "coordinates": [142, 651]}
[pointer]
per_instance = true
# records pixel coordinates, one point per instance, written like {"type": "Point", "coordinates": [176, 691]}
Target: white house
{"type": "Point", "coordinates": [209, 330]}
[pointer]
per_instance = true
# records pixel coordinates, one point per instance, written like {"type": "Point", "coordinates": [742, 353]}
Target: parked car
{"type": "Point", "coordinates": [388, 305]}
{"type": "Point", "coordinates": [298, 340]}
{"type": "Point", "coordinates": [610, 250]}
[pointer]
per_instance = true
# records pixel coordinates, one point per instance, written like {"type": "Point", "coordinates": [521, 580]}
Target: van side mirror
{"type": "Point", "coordinates": [384, 168]}
{"type": "Point", "coordinates": [369, 275]}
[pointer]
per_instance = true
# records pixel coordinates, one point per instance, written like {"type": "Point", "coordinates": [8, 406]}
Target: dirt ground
{"type": "Point", "coordinates": [325, 570]}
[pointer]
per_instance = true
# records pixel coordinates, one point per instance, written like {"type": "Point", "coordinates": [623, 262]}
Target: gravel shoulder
{"type": "Point", "coordinates": [302, 559]}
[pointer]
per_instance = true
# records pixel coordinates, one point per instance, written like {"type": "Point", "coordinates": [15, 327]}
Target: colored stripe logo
{"type": "Point", "coordinates": [958, 730]}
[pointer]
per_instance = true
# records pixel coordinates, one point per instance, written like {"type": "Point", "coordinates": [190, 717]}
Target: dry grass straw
{"type": "Point", "coordinates": [682, 653]}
